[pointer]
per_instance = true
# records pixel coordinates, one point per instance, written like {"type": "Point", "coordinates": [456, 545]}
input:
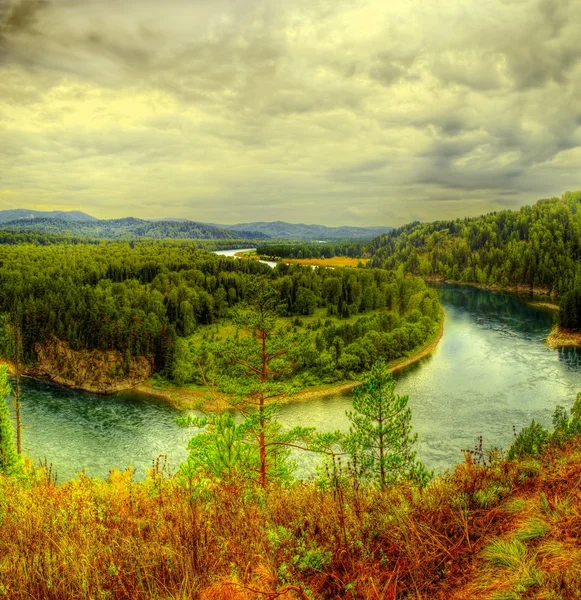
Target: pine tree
{"type": "Point", "coordinates": [252, 370]}
{"type": "Point", "coordinates": [379, 440]}
{"type": "Point", "coordinates": [9, 459]}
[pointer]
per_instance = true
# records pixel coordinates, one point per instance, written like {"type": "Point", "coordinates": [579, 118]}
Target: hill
{"type": "Point", "coordinates": [24, 214]}
{"type": "Point", "coordinates": [534, 249]}
{"type": "Point", "coordinates": [300, 231]}
{"type": "Point", "coordinates": [496, 527]}
{"type": "Point", "coordinates": [127, 228]}
{"type": "Point", "coordinates": [76, 223]}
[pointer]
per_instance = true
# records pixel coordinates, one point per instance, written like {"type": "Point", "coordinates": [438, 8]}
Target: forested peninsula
{"type": "Point", "coordinates": [104, 316]}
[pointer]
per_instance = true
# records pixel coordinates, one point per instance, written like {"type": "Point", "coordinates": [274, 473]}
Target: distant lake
{"type": "Point", "coordinates": [490, 371]}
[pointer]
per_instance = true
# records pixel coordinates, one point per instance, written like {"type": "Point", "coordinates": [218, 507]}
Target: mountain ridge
{"type": "Point", "coordinates": [78, 223]}
{"type": "Point", "coordinates": [25, 214]}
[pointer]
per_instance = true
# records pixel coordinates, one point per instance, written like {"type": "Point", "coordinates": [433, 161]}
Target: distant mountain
{"type": "Point", "coordinates": [280, 229]}
{"type": "Point", "coordinates": [77, 223]}
{"type": "Point", "coordinates": [18, 214]}
{"type": "Point", "coordinates": [128, 228]}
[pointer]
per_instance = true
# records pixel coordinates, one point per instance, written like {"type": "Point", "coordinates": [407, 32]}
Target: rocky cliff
{"type": "Point", "coordinates": [99, 371]}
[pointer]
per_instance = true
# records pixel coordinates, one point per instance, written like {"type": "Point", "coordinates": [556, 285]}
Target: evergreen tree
{"type": "Point", "coordinates": [379, 440]}
{"type": "Point", "coordinates": [9, 459]}
{"type": "Point", "coordinates": [253, 371]}
{"type": "Point", "coordinates": [221, 450]}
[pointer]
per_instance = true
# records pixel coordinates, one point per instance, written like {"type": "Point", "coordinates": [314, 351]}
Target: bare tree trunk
{"type": "Point", "coordinates": [262, 436]}
{"type": "Point", "coordinates": [18, 374]}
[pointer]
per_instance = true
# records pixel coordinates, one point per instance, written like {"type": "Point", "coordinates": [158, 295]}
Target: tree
{"type": "Point", "coordinates": [250, 370]}
{"type": "Point", "coordinates": [221, 450]}
{"type": "Point", "coordinates": [253, 369]}
{"type": "Point", "coordinates": [9, 459]}
{"type": "Point", "coordinates": [379, 439]}
{"type": "Point", "coordinates": [11, 346]}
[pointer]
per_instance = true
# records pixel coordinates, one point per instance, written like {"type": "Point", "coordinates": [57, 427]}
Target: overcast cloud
{"type": "Point", "coordinates": [364, 112]}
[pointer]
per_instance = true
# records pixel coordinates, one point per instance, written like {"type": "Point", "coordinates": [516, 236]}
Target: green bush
{"type": "Point", "coordinates": [531, 441]}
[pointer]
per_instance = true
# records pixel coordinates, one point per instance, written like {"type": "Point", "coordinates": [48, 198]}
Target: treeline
{"type": "Point", "coordinates": [537, 246]}
{"type": "Point", "coordinates": [313, 250]}
{"type": "Point", "coordinates": [37, 238]}
{"type": "Point", "coordinates": [570, 313]}
{"type": "Point", "coordinates": [345, 342]}
{"type": "Point", "coordinates": [127, 228]}
{"type": "Point", "coordinates": [141, 297]}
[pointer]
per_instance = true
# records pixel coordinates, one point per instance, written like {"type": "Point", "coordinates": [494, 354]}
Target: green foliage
{"type": "Point", "coordinates": [221, 450]}
{"type": "Point", "coordinates": [570, 313]}
{"type": "Point", "coordinates": [312, 250]}
{"type": "Point", "coordinates": [537, 246]}
{"type": "Point", "coordinates": [10, 462]}
{"type": "Point", "coordinates": [533, 529]}
{"type": "Point", "coordinates": [530, 441]}
{"type": "Point", "coordinates": [182, 366]}
{"type": "Point", "coordinates": [490, 495]}
{"type": "Point", "coordinates": [142, 297]}
{"type": "Point", "coordinates": [509, 554]}
{"type": "Point", "coordinates": [379, 441]}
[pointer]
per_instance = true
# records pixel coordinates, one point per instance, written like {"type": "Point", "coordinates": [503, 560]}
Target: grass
{"type": "Point", "coordinates": [334, 262]}
{"type": "Point", "coordinates": [192, 396]}
{"type": "Point", "coordinates": [168, 538]}
{"type": "Point", "coordinates": [559, 338]}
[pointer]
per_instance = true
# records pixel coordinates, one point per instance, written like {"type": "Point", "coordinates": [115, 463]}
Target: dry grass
{"type": "Point", "coordinates": [336, 261]}
{"type": "Point", "coordinates": [559, 338]}
{"type": "Point", "coordinates": [503, 531]}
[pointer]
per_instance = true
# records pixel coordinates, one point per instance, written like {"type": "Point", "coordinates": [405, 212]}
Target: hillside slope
{"type": "Point", "coordinates": [300, 231]}
{"type": "Point", "coordinates": [21, 214]}
{"type": "Point", "coordinates": [538, 247]}
{"type": "Point", "coordinates": [504, 530]}
{"type": "Point", "coordinates": [128, 228]}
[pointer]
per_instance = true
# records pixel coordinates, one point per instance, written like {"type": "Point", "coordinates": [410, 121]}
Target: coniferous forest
{"type": "Point", "coordinates": [146, 298]}
{"type": "Point", "coordinates": [233, 521]}
{"type": "Point", "coordinates": [289, 309]}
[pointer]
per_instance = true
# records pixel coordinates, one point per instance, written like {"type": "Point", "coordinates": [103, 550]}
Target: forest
{"type": "Point", "coordinates": [158, 299]}
{"type": "Point", "coordinates": [127, 228]}
{"type": "Point", "coordinates": [311, 250]}
{"type": "Point", "coordinates": [538, 246]}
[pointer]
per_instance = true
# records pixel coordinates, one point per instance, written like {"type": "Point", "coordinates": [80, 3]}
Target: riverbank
{"type": "Point", "coordinates": [546, 305]}
{"type": "Point", "coordinates": [87, 370]}
{"type": "Point", "coordinates": [519, 289]}
{"type": "Point", "coordinates": [184, 398]}
{"type": "Point", "coordinates": [561, 338]}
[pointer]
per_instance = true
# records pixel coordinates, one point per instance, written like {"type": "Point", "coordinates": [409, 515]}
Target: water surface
{"type": "Point", "coordinates": [490, 371]}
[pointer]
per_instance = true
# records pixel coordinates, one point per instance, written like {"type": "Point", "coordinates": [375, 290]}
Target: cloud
{"type": "Point", "coordinates": [308, 110]}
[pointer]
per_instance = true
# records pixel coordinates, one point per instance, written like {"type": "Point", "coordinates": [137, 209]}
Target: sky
{"type": "Point", "coordinates": [360, 112]}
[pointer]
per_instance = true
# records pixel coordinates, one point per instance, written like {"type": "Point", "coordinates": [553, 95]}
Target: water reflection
{"type": "Point", "coordinates": [490, 371]}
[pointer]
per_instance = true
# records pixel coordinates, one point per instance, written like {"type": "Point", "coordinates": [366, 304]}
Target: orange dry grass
{"type": "Point", "coordinates": [169, 538]}
{"type": "Point", "coordinates": [336, 261]}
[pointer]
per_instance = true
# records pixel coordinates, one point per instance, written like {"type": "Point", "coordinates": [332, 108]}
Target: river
{"type": "Point", "coordinates": [232, 254]}
{"type": "Point", "coordinates": [490, 371]}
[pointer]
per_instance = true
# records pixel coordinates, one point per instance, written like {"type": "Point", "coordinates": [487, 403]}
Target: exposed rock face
{"type": "Point", "coordinates": [100, 371]}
